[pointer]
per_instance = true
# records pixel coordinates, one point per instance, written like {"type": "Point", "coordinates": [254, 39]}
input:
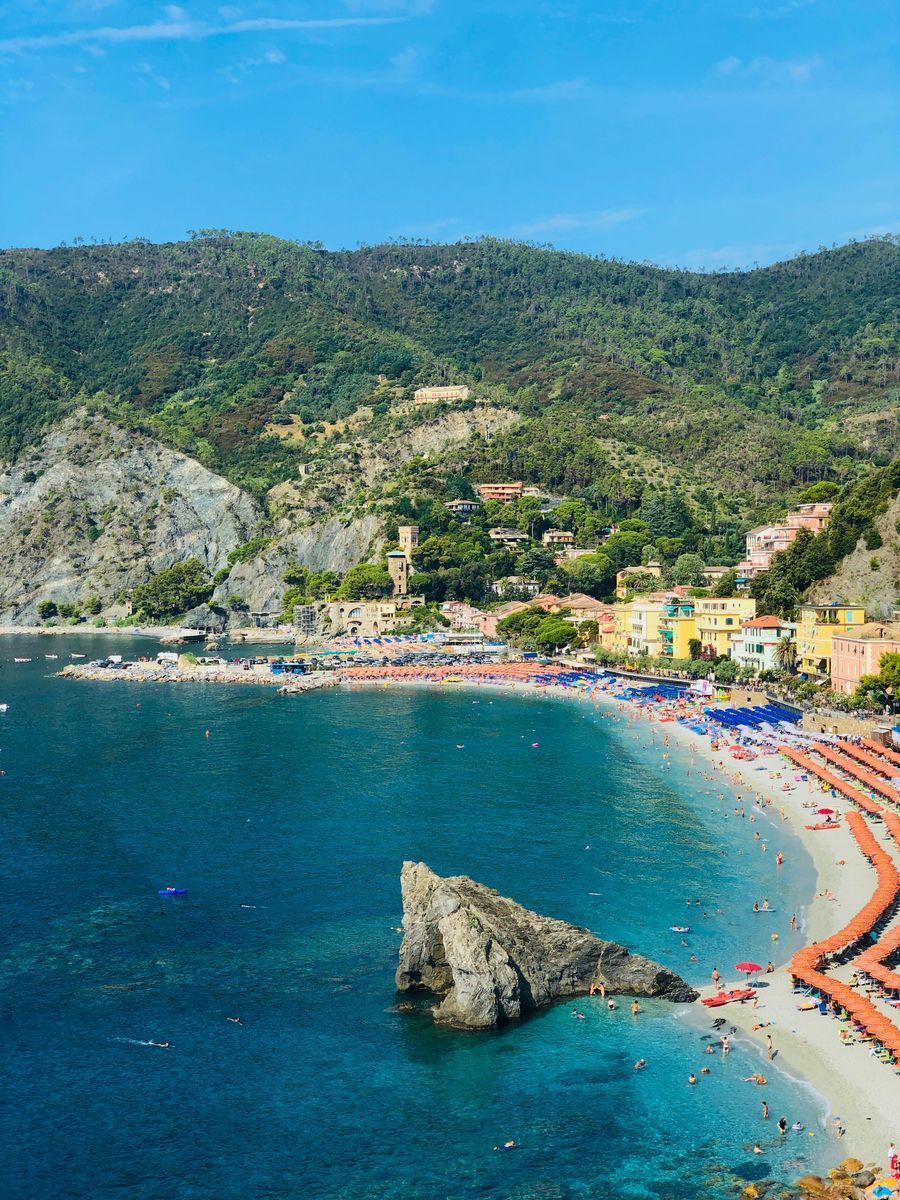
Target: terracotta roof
{"type": "Point", "coordinates": [878, 631]}
{"type": "Point", "coordinates": [764, 623]}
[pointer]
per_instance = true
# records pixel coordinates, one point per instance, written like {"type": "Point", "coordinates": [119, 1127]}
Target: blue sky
{"type": "Point", "coordinates": [704, 134]}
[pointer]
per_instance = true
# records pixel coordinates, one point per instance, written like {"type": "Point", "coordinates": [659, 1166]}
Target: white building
{"type": "Point", "coordinates": [757, 642]}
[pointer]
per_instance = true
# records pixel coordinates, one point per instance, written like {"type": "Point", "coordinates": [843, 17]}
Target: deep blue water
{"type": "Point", "coordinates": [305, 807]}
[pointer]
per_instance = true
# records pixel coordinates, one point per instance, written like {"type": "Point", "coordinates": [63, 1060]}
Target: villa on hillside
{"type": "Point", "coordinates": [511, 538]}
{"type": "Point", "coordinates": [515, 583]}
{"type": "Point", "coordinates": [500, 491]}
{"type": "Point", "coordinates": [462, 508]}
{"type": "Point", "coordinates": [765, 541]}
{"type": "Point", "coordinates": [558, 537]}
{"type": "Point", "coordinates": [431, 395]}
{"type": "Point", "coordinates": [858, 653]}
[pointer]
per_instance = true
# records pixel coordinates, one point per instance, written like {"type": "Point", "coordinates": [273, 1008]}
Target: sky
{"type": "Point", "coordinates": [712, 134]}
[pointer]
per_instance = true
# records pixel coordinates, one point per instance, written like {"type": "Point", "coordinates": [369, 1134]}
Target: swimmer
{"type": "Point", "coordinates": [692, 1079]}
{"type": "Point", "coordinates": [782, 1124]}
{"type": "Point", "coordinates": [510, 1145]}
{"type": "Point", "coordinates": [757, 1149]}
{"type": "Point", "coordinates": [765, 1111]}
{"type": "Point", "coordinates": [640, 1064]}
{"type": "Point", "coordinates": [725, 1043]}
{"type": "Point", "coordinates": [794, 924]}
{"type": "Point", "coordinates": [234, 1020]}
{"type": "Point", "coordinates": [635, 1008]}
{"type": "Point", "coordinates": [611, 1004]}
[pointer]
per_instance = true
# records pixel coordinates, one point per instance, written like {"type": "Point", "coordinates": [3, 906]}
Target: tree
{"type": "Point", "coordinates": [296, 574]}
{"type": "Point", "coordinates": [536, 563]}
{"type": "Point", "coordinates": [727, 585]}
{"type": "Point", "coordinates": [889, 671]}
{"type": "Point", "coordinates": [553, 633]}
{"type": "Point", "coordinates": [688, 569]}
{"type": "Point", "coordinates": [593, 574]}
{"type": "Point", "coordinates": [366, 581]}
{"type": "Point", "coordinates": [695, 648]}
{"type": "Point", "coordinates": [786, 655]}
{"type": "Point", "coordinates": [726, 671]}
{"type": "Point", "coordinates": [93, 605]}
{"type": "Point", "coordinates": [173, 591]}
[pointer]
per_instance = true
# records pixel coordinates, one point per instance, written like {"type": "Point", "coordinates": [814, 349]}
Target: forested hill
{"type": "Point", "coordinates": [755, 383]}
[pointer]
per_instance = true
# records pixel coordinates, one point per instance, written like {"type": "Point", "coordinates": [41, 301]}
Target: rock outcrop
{"type": "Point", "coordinates": [94, 509]}
{"type": "Point", "coordinates": [491, 960]}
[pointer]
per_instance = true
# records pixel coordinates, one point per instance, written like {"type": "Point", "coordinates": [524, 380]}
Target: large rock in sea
{"type": "Point", "coordinates": [492, 960]}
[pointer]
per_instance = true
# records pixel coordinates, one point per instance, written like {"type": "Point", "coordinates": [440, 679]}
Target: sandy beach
{"type": "Point", "coordinates": [858, 1088]}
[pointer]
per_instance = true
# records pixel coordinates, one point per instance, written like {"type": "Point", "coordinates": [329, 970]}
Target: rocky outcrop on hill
{"type": "Point", "coordinates": [491, 960]}
{"type": "Point", "coordinates": [93, 509]}
{"type": "Point", "coordinates": [868, 575]}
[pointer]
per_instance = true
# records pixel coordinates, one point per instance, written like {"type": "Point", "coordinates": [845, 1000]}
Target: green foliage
{"type": "Point", "coordinates": [533, 628]}
{"type": "Point", "coordinates": [248, 550]}
{"type": "Point", "coordinates": [173, 591]}
{"type": "Point", "coordinates": [366, 581]}
{"type": "Point", "coordinates": [812, 558]}
{"type": "Point", "coordinates": [93, 605]}
{"type": "Point", "coordinates": [47, 609]}
{"type": "Point", "coordinates": [593, 574]}
{"type": "Point", "coordinates": [726, 585]}
{"type": "Point", "coordinates": [688, 570]}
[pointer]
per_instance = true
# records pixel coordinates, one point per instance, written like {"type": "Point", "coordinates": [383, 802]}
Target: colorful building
{"type": "Point", "coordinates": [500, 491]}
{"type": "Point", "coordinates": [558, 537]}
{"type": "Point", "coordinates": [462, 508]}
{"type": "Point", "coordinates": [757, 643]}
{"type": "Point", "coordinates": [765, 541]}
{"type": "Point", "coordinates": [817, 625]}
{"type": "Point", "coordinates": [677, 628]}
{"type": "Point", "coordinates": [718, 619]}
{"type": "Point", "coordinates": [859, 653]}
{"type": "Point", "coordinates": [432, 395]}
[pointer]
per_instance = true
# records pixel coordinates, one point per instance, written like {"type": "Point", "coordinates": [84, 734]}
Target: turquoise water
{"type": "Point", "coordinates": [305, 807]}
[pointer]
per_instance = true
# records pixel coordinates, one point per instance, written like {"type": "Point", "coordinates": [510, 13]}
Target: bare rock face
{"type": "Point", "coordinates": [492, 960]}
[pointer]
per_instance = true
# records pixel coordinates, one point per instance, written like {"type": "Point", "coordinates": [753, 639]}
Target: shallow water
{"type": "Point", "coordinates": [305, 807]}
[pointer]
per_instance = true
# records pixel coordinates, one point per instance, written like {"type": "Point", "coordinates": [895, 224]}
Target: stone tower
{"type": "Point", "coordinates": [408, 537]}
{"type": "Point", "coordinates": [398, 567]}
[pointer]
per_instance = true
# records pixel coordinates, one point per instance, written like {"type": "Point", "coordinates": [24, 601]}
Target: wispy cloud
{"type": "Point", "coordinates": [729, 257]}
{"type": "Point", "coordinates": [607, 218]}
{"type": "Point", "coordinates": [769, 70]}
{"type": "Point", "coordinates": [178, 26]}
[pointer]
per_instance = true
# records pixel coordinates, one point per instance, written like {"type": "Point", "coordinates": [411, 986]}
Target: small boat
{"type": "Point", "coordinates": [77, 656]}
{"type": "Point", "coordinates": [172, 891]}
{"type": "Point", "coordinates": [680, 928]}
{"type": "Point", "coordinates": [51, 656]}
{"type": "Point", "coordinates": [4, 707]}
{"type": "Point", "coordinates": [721, 998]}
{"type": "Point", "coordinates": [21, 660]}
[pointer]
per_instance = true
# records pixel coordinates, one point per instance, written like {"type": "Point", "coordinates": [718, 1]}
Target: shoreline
{"type": "Point", "coordinates": [850, 1082]}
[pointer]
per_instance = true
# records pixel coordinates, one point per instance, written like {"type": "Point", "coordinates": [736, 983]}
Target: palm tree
{"type": "Point", "coordinates": [786, 655]}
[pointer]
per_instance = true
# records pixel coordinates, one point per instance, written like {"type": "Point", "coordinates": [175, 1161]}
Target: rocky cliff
{"type": "Point", "coordinates": [491, 960]}
{"type": "Point", "coordinates": [93, 509]}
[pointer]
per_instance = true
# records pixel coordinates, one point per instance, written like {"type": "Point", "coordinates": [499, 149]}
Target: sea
{"type": "Point", "coordinates": [288, 1070]}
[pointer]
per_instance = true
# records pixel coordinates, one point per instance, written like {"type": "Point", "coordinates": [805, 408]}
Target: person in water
{"type": "Point", "coordinates": [635, 1008]}
{"type": "Point", "coordinates": [692, 1079]}
{"type": "Point", "coordinates": [782, 1124]}
{"type": "Point", "coordinates": [765, 1111]}
{"type": "Point", "coordinates": [640, 1064]}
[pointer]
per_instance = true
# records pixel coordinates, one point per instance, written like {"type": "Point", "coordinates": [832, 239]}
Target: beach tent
{"type": "Point", "coordinates": [702, 687]}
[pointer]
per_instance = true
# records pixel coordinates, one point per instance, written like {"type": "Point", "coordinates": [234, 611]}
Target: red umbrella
{"type": "Point", "coordinates": [824, 811]}
{"type": "Point", "coordinates": [748, 967]}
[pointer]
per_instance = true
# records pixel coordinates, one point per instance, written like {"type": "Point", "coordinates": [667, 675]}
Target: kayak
{"type": "Point", "coordinates": [172, 892]}
{"type": "Point", "coordinates": [727, 997]}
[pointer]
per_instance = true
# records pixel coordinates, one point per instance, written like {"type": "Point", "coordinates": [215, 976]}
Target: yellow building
{"type": "Point", "coordinates": [719, 618]}
{"type": "Point", "coordinates": [677, 627]}
{"type": "Point", "coordinates": [637, 627]}
{"type": "Point", "coordinates": [816, 626]}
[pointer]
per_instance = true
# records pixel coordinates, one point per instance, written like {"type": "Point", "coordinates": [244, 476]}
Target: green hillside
{"type": "Point", "coordinates": [746, 386]}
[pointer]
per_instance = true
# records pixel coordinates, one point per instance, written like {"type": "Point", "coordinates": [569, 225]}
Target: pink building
{"type": "Point", "coordinates": [765, 541]}
{"type": "Point", "coordinates": [859, 653]}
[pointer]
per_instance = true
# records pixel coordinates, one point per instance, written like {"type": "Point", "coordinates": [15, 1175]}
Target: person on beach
{"type": "Point", "coordinates": [716, 976]}
{"type": "Point", "coordinates": [770, 1049]}
{"type": "Point", "coordinates": [725, 1043]}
